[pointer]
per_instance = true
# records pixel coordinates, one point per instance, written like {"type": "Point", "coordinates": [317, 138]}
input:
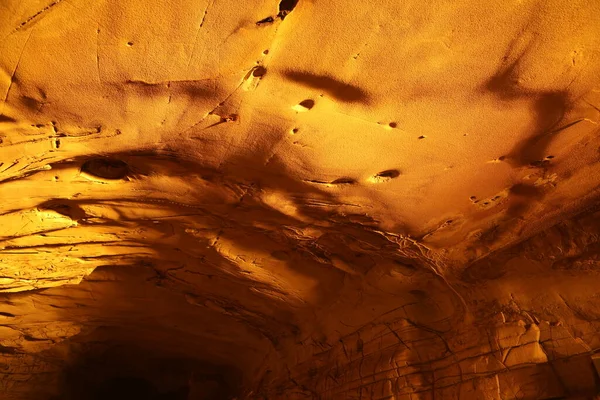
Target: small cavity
{"type": "Point", "coordinates": [105, 168]}
{"type": "Point", "coordinates": [6, 314]}
{"type": "Point", "coordinates": [390, 173]}
{"type": "Point", "coordinates": [549, 157]}
{"type": "Point", "coordinates": [422, 137]}
{"type": "Point", "coordinates": [304, 105]}
{"type": "Point", "coordinates": [259, 71]}
{"type": "Point", "coordinates": [294, 131]}
{"type": "Point", "coordinates": [501, 158]}
{"type": "Point", "coordinates": [344, 181]}
{"type": "Point", "coordinates": [393, 125]}
{"type": "Point", "coordinates": [129, 44]}
{"type": "Point", "coordinates": [307, 103]}
{"type": "Point", "coordinates": [266, 52]}
{"type": "Point", "coordinates": [230, 118]}
{"type": "Point", "coordinates": [267, 20]}
{"type": "Point", "coordinates": [286, 7]}
{"type": "Point", "coordinates": [384, 176]}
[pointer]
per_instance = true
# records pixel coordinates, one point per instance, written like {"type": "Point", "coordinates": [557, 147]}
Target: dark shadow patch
{"type": "Point", "coordinates": [339, 90]}
{"type": "Point", "coordinates": [125, 388]}
{"type": "Point", "coordinates": [504, 84]}
{"type": "Point", "coordinates": [280, 255]}
{"type": "Point", "coordinates": [522, 189]}
{"type": "Point", "coordinates": [482, 271]}
{"type": "Point", "coordinates": [192, 88]}
{"type": "Point", "coordinates": [550, 108]}
{"type": "Point", "coordinates": [30, 103]}
{"type": "Point", "coordinates": [405, 267]}
{"type": "Point", "coordinates": [7, 350]}
{"type": "Point", "coordinates": [419, 294]}
{"type": "Point", "coordinates": [6, 118]}
{"type": "Point", "coordinates": [33, 99]}
{"type": "Point", "coordinates": [523, 196]}
{"type": "Point", "coordinates": [30, 338]}
{"type": "Point", "coordinates": [518, 208]}
{"type": "Point", "coordinates": [65, 207]}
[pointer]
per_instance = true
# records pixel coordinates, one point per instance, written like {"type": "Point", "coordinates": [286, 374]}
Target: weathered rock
{"type": "Point", "coordinates": [299, 199]}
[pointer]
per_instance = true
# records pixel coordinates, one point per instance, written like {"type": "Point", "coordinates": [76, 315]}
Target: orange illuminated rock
{"type": "Point", "coordinates": [299, 199]}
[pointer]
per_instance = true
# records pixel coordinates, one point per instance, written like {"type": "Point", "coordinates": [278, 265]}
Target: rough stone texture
{"type": "Point", "coordinates": [299, 200]}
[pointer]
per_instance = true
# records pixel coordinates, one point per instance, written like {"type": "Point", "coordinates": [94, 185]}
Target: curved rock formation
{"type": "Point", "coordinates": [299, 200]}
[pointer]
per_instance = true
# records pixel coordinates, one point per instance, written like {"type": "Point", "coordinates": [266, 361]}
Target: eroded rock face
{"type": "Point", "coordinates": [303, 199]}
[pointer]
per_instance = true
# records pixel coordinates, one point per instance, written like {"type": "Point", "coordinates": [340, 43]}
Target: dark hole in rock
{"type": "Point", "coordinates": [6, 314]}
{"type": "Point", "coordinates": [390, 173]}
{"type": "Point", "coordinates": [308, 103]}
{"type": "Point", "coordinates": [259, 71]}
{"type": "Point", "coordinates": [267, 20]}
{"type": "Point", "coordinates": [125, 388]}
{"type": "Point", "coordinates": [6, 118]}
{"type": "Point", "coordinates": [344, 181]}
{"type": "Point", "coordinates": [286, 7]}
{"type": "Point", "coordinates": [106, 168]}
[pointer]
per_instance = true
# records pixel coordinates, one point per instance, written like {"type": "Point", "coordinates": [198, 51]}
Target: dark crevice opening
{"type": "Point", "coordinates": [106, 168]}
{"type": "Point", "coordinates": [286, 7]}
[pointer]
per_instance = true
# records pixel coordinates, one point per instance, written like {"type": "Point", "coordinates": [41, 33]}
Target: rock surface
{"type": "Point", "coordinates": [299, 200]}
